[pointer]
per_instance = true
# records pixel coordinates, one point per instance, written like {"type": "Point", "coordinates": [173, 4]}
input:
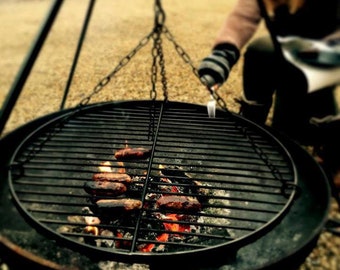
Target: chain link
{"type": "Point", "coordinates": [123, 62]}
{"type": "Point", "coordinates": [157, 52]}
{"type": "Point", "coordinates": [186, 58]}
{"type": "Point", "coordinates": [285, 185]}
{"type": "Point", "coordinates": [157, 62]}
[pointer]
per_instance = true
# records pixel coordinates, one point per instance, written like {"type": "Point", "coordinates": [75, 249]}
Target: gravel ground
{"type": "Point", "coordinates": [115, 29]}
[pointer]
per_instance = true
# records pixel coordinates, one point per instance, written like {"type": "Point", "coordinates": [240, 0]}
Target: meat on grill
{"type": "Point", "coordinates": [132, 153]}
{"type": "Point", "coordinates": [104, 188]}
{"type": "Point", "coordinates": [125, 204]}
{"type": "Point", "coordinates": [112, 177]}
{"type": "Point", "coordinates": [183, 203]}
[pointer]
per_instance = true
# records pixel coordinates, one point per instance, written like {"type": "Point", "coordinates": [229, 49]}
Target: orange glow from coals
{"type": "Point", "coordinates": [121, 168]}
{"type": "Point", "coordinates": [105, 167]}
{"type": "Point", "coordinates": [164, 237]}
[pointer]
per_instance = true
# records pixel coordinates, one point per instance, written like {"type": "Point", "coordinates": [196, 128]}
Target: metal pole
{"type": "Point", "coordinates": [27, 65]}
{"type": "Point", "coordinates": [80, 43]}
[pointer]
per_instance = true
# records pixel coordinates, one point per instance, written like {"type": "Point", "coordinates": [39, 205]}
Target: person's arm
{"type": "Point", "coordinates": [241, 24]}
{"type": "Point", "coordinates": [238, 28]}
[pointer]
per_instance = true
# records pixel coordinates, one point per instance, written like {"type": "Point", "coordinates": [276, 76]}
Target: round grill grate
{"type": "Point", "coordinates": [231, 181]}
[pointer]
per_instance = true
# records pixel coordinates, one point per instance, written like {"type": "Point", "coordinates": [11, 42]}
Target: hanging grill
{"type": "Point", "coordinates": [243, 196]}
{"type": "Point", "coordinates": [232, 182]}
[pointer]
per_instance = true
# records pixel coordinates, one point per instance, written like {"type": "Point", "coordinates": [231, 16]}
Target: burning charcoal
{"type": "Point", "coordinates": [183, 203]}
{"type": "Point", "coordinates": [172, 171]}
{"type": "Point", "coordinates": [118, 205]}
{"type": "Point", "coordinates": [90, 220]}
{"type": "Point", "coordinates": [124, 239]}
{"type": "Point", "coordinates": [112, 177]}
{"type": "Point", "coordinates": [68, 229]}
{"type": "Point", "coordinates": [151, 197]}
{"type": "Point", "coordinates": [167, 188]}
{"type": "Point", "coordinates": [75, 219]}
{"type": "Point", "coordinates": [136, 187]}
{"type": "Point", "coordinates": [107, 242]}
{"type": "Point", "coordinates": [182, 176]}
{"type": "Point", "coordinates": [104, 188]}
{"type": "Point", "coordinates": [146, 247]}
{"type": "Point", "coordinates": [200, 190]}
{"type": "Point", "coordinates": [151, 247]}
{"type": "Point", "coordinates": [91, 230]}
{"type": "Point", "coordinates": [132, 153]}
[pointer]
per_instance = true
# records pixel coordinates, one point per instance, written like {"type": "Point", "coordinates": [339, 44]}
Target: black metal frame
{"type": "Point", "coordinates": [32, 56]}
{"type": "Point", "coordinates": [314, 203]}
{"type": "Point", "coordinates": [27, 66]}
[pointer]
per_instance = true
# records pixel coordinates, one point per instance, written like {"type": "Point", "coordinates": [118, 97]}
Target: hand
{"type": "Point", "coordinates": [214, 69]}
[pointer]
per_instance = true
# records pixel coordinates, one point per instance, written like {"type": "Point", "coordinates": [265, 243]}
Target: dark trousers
{"type": "Point", "coordinates": [266, 80]}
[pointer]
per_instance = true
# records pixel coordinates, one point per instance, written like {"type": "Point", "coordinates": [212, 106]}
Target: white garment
{"type": "Point", "coordinates": [322, 70]}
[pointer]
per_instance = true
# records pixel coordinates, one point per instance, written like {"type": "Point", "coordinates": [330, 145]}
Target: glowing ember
{"type": "Point", "coordinates": [105, 167]}
{"type": "Point", "coordinates": [91, 230]}
{"type": "Point", "coordinates": [175, 227]}
{"type": "Point", "coordinates": [120, 207]}
{"type": "Point", "coordinates": [121, 243]}
{"type": "Point", "coordinates": [164, 237]}
{"type": "Point", "coordinates": [92, 220]}
{"type": "Point", "coordinates": [121, 168]}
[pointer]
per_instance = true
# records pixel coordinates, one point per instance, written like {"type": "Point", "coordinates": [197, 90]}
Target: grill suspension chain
{"type": "Point", "coordinates": [122, 63]}
{"type": "Point", "coordinates": [285, 185]}
{"type": "Point", "coordinates": [157, 62]}
{"type": "Point", "coordinates": [157, 52]}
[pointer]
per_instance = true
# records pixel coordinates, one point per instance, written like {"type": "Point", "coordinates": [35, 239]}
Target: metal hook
{"type": "Point", "coordinates": [159, 15]}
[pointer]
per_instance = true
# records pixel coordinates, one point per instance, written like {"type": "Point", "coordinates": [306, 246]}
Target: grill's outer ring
{"type": "Point", "coordinates": [209, 256]}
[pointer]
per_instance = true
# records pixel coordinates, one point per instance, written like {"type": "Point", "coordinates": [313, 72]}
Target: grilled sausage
{"type": "Point", "coordinates": [112, 177]}
{"type": "Point", "coordinates": [183, 203]}
{"type": "Point", "coordinates": [104, 188]}
{"type": "Point", "coordinates": [132, 153]}
{"type": "Point", "coordinates": [125, 204]}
